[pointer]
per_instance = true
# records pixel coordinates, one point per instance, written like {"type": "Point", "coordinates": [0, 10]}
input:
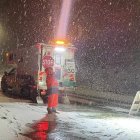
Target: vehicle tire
{"type": "Point", "coordinates": [33, 96]}
{"type": "Point", "coordinates": [45, 99]}
{"type": "Point", "coordinates": [4, 85]}
{"type": "Point", "coordinates": [25, 92]}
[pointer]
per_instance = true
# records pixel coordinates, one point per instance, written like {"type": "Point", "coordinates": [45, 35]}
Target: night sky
{"type": "Point", "coordinates": [106, 33]}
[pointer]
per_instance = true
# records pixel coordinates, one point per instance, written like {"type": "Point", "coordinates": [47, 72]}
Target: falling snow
{"type": "Point", "coordinates": [106, 33]}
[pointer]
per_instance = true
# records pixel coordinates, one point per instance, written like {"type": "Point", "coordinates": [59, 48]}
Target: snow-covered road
{"type": "Point", "coordinates": [71, 123]}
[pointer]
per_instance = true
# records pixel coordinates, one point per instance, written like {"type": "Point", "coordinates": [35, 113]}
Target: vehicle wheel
{"type": "Point", "coordinates": [33, 96]}
{"type": "Point", "coordinates": [4, 86]}
{"type": "Point", "coordinates": [45, 99]}
{"type": "Point", "coordinates": [25, 92]}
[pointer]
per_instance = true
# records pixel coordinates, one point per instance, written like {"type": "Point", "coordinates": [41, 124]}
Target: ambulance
{"type": "Point", "coordinates": [26, 68]}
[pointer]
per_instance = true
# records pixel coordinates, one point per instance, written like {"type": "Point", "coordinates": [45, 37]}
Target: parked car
{"type": "Point", "coordinates": [18, 84]}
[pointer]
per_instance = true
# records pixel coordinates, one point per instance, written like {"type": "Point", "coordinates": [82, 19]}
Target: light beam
{"type": "Point", "coordinates": [64, 19]}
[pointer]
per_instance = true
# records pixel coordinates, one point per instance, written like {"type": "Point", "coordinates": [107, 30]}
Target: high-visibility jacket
{"type": "Point", "coordinates": [52, 85]}
{"type": "Point", "coordinates": [52, 91]}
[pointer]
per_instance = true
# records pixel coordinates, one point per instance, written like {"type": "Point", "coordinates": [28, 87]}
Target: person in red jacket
{"type": "Point", "coordinates": [52, 90]}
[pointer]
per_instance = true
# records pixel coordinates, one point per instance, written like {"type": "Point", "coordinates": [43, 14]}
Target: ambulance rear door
{"type": "Point", "coordinates": [44, 59]}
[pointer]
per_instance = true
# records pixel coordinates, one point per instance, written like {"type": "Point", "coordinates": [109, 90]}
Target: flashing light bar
{"type": "Point", "coordinates": [59, 42]}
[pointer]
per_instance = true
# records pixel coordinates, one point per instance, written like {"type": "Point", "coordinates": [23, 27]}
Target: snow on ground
{"type": "Point", "coordinates": [15, 116]}
{"type": "Point", "coordinates": [101, 125]}
{"type": "Point", "coordinates": [73, 123]}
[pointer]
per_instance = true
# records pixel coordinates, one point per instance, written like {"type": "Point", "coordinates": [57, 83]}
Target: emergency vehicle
{"type": "Point", "coordinates": [26, 75]}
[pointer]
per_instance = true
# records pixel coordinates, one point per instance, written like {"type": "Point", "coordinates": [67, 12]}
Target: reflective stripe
{"type": "Point", "coordinates": [52, 90]}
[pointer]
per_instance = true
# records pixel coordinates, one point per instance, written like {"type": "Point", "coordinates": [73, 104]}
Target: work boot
{"type": "Point", "coordinates": [53, 110]}
{"type": "Point", "coordinates": [49, 110]}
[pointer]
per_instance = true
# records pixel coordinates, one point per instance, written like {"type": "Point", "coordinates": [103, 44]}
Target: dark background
{"type": "Point", "coordinates": [106, 33]}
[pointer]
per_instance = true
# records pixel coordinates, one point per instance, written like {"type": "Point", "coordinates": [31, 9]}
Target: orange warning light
{"type": "Point", "coordinates": [59, 42]}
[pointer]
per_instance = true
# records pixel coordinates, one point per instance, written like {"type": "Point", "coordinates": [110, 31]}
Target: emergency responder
{"type": "Point", "coordinates": [52, 90]}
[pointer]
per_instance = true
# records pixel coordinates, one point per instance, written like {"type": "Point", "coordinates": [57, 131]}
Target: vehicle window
{"type": "Point", "coordinates": [13, 71]}
{"type": "Point", "coordinates": [58, 59]}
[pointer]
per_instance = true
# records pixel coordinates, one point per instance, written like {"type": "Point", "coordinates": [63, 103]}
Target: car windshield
{"type": "Point", "coordinates": [10, 68]}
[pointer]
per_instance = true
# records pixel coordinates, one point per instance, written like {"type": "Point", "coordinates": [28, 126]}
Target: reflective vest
{"type": "Point", "coordinates": [52, 85]}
